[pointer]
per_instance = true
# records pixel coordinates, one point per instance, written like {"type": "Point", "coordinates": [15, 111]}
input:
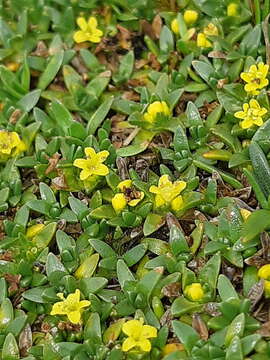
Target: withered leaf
{"type": "Point", "coordinates": [256, 292]}
{"type": "Point", "coordinates": [25, 340]}
{"type": "Point", "coordinates": [199, 325]}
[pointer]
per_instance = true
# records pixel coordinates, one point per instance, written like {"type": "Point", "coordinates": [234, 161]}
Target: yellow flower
{"type": "Point", "coordinates": [157, 107]}
{"type": "Point", "coordinates": [202, 41]}
{"type": "Point", "coordinates": [138, 335]}
{"type": "Point", "coordinates": [92, 165]}
{"type": "Point", "coordinates": [88, 32]}
{"type": "Point", "coordinates": [170, 348]}
{"type": "Point", "coordinates": [168, 193]}
{"type": "Point", "coordinates": [210, 30]}
{"type": "Point", "coordinates": [255, 78]}
{"type": "Point", "coordinates": [252, 114]}
{"type": "Point", "coordinates": [245, 214]}
{"type": "Point", "coordinates": [34, 230]}
{"type": "Point", "coordinates": [71, 306]}
{"type": "Point", "coordinates": [190, 17]}
{"type": "Point", "coordinates": [232, 9]}
{"type": "Point", "coordinates": [194, 291]}
{"type": "Point", "coordinates": [10, 144]}
{"type": "Point", "coordinates": [13, 66]}
{"type": "Point", "coordinates": [264, 272]}
{"type": "Point", "coordinates": [175, 26]}
{"type": "Point", "coordinates": [128, 196]}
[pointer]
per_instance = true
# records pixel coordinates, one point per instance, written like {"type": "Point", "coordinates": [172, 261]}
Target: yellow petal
{"type": "Point", "coordinates": [264, 272]}
{"type": "Point", "coordinates": [90, 152]}
{"type": "Point", "coordinates": [165, 108]}
{"type": "Point", "coordinates": [58, 309]}
{"type": "Point", "coordinates": [159, 201]}
{"type": "Point", "coordinates": [74, 297]}
{"type": "Point", "coordinates": [175, 26]}
{"type": "Point", "coordinates": [128, 344]}
{"type": "Point", "coordinates": [145, 345]}
{"type": "Point", "coordinates": [119, 202]}
{"type": "Point", "coordinates": [164, 180]}
{"type": "Point", "coordinates": [80, 163]}
{"type": "Point", "coordinates": [84, 174]}
{"type": "Point", "coordinates": [82, 24]}
{"type": "Point", "coordinates": [124, 184]}
{"type": "Point", "coordinates": [74, 317]}
{"type": "Point", "coordinates": [84, 303]}
{"type": "Point", "coordinates": [180, 186]}
{"type": "Point", "coordinates": [132, 328]}
{"type": "Point", "coordinates": [80, 36]}
{"type": "Point", "coordinates": [190, 17]}
{"type": "Point", "coordinates": [253, 69]}
{"type": "Point", "coordinates": [254, 104]}
{"type": "Point", "coordinates": [258, 121]}
{"type": "Point", "coordinates": [263, 69]}
{"type": "Point", "coordinates": [251, 87]}
{"type": "Point", "coordinates": [94, 38]}
{"type": "Point", "coordinates": [149, 332]}
{"type": "Point", "coordinates": [101, 170]}
{"type": "Point", "coordinates": [246, 77]}
{"type": "Point", "coordinates": [177, 203]}
{"type": "Point", "coordinates": [102, 155]}
{"type": "Point", "coordinates": [247, 123]}
{"type": "Point", "coordinates": [240, 114]}
{"type": "Point", "coordinates": [154, 189]}
{"type": "Point", "coordinates": [92, 22]}
{"type": "Point", "coordinates": [134, 202]}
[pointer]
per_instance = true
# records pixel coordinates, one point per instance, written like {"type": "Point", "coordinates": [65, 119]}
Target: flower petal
{"type": "Point", "coordinates": [74, 316]}
{"type": "Point", "coordinates": [92, 22]}
{"type": "Point", "coordinates": [254, 104]}
{"type": "Point", "coordinates": [81, 22]}
{"type": "Point", "coordinates": [154, 189]}
{"type": "Point", "coordinates": [159, 201]}
{"type": "Point", "coordinates": [247, 123]}
{"type": "Point", "coordinates": [164, 180]}
{"type": "Point", "coordinates": [84, 174]}
{"type": "Point", "coordinates": [124, 184]}
{"type": "Point", "coordinates": [102, 155]}
{"type": "Point", "coordinates": [90, 152]}
{"type": "Point", "coordinates": [145, 345]}
{"type": "Point", "coordinates": [148, 332]}
{"type": "Point", "coordinates": [84, 303]}
{"type": "Point", "coordinates": [80, 163]}
{"type": "Point", "coordinates": [128, 344]}
{"type": "Point", "coordinates": [58, 309]}
{"type": "Point", "coordinates": [80, 36]}
{"type": "Point", "coordinates": [132, 328]}
{"type": "Point", "coordinates": [101, 170]}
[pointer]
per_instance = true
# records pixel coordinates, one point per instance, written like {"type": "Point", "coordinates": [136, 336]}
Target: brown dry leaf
{"type": "Point", "coordinates": [124, 37]}
{"type": "Point", "coordinates": [217, 55]}
{"type": "Point", "coordinates": [14, 117]}
{"type": "Point", "coordinates": [14, 281]}
{"type": "Point", "coordinates": [122, 167]}
{"type": "Point", "coordinates": [147, 29]}
{"type": "Point", "coordinates": [7, 255]}
{"type": "Point", "coordinates": [265, 240]}
{"type": "Point", "coordinates": [265, 329]}
{"type": "Point", "coordinates": [41, 50]}
{"type": "Point", "coordinates": [255, 293]}
{"type": "Point", "coordinates": [199, 325]}
{"type": "Point", "coordinates": [153, 62]}
{"type": "Point", "coordinates": [212, 309]}
{"type": "Point", "coordinates": [172, 290]}
{"type": "Point", "coordinates": [59, 183]}
{"type": "Point", "coordinates": [53, 161]}
{"type": "Point", "coordinates": [25, 340]}
{"type": "Point", "coordinates": [157, 26]}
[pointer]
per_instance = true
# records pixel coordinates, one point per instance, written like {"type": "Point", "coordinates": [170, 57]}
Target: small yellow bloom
{"type": "Point", "coordinates": [190, 17]}
{"type": "Point", "coordinates": [170, 348]}
{"type": "Point", "coordinates": [202, 41]}
{"type": "Point", "coordinates": [88, 32]}
{"type": "Point", "coordinates": [10, 144]}
{"type": "Point", "coordinates": [128, 196]}
{"type": "Point", "coordinates": [194, 292]}
{"type": "Point", "coordinates": [168, 193]}
{"type": "Point", "coordinates": [93, 164]}
{"type": "Point", "coordinates": [138, 335]}
{"type": "Point", "coordinates": [175, 26]}
{"type": "Point", "coordinates": [252, 114]}
{"type": "Point", "coordinates": [210, 30]}
{"type": "Point", "coordinates": [34, 230]}
{"type": "Point", "coordinates": [232, 9]}
{"type": "Point", "coordinates": [255, 78]}
{"type": "Point", "coordinates": [264, 272]}
{"type": "Point", "coordinates": [13, 66]}
{"type": "Point", "coordinates": [245, 214]}
{"type": "Point", "coordinates": [71, 306]}
{"type": "Point", "coordinates": [157, 107]}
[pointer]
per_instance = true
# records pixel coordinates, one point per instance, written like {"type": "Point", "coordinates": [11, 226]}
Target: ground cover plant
{"type": "Point", "coordinates": [134, 179]}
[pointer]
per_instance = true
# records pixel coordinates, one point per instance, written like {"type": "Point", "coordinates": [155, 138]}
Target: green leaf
{"type": "Point", "coordinates": [226, 289]}
{"type": "Point", "coordinates": [123, 273]}
{"type": "Point", "coordinates": [99, 115]}
{"type": "Point", "coordinates": [51, 70]}
{"type": "Point", "coordinates": [92, 329]}
{"type": "Point", "coordinates": [152, 223]}
{"type": "Point", "coordinates": [186, 334]}
{"type": "Point", "coordinates": [29, 100]}
{"type": "Point", "coordinates": [10, 349]}
{"type": "Point", "coordinates": [255, 224]}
